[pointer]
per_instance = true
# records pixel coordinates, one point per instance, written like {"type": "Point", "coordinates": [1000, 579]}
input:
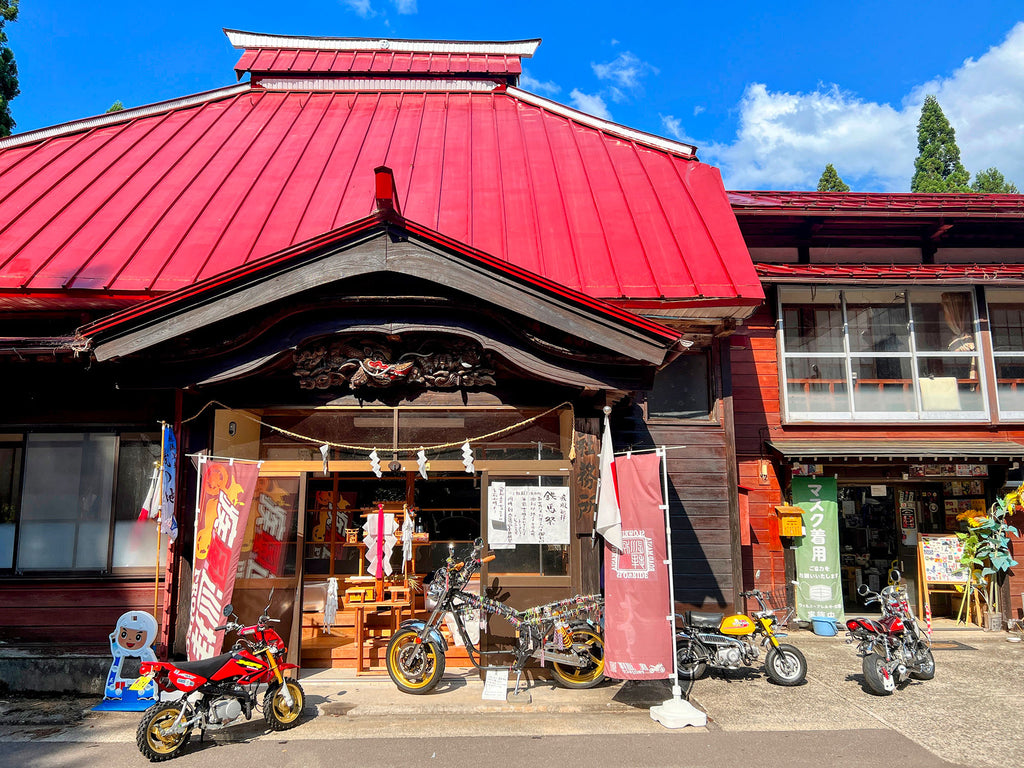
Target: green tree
{"type": "Point", "coordinates": [830, 181]}
{"type": "Point", "coordinates": [937, 167]}
{"type": "Point", "coordinates": [8, 69]}
{"type": "Point", "coordinates": [991, 181]}
{"type": "Point", "coordinates": [117, 106]}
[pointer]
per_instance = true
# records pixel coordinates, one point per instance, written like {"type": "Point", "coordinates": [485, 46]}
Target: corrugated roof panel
{"type": "Point", "coordinates": [153, 201]}
{"type": "Point", "coordinates": [905, 203]}
{"type": "Point", "coordinates": [266, 61]}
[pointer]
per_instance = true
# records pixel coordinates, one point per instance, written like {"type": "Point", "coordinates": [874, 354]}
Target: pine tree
{"type": "Point", "coordinates": [937, 167]}
{"type": "Point", "coordinates": [8, 69]}
{"type": "Point", "coordinates": [830, 181]}
{"type": "Point", "coordinates": [991, 181]}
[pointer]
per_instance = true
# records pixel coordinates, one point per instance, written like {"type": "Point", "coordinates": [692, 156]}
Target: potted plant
{"type": "Point", "coordinates": [987, 549]}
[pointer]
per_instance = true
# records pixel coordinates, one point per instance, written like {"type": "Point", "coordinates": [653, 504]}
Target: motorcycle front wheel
{"type": "Point", "coordinates": [150, 737]}
{"type": "Point", "coordinates": [688, 661]}
{"type": "Point", "coordinates": [414, 666]}
{"type": "Point", "coordinates": [785, 665]}
{"type": "Point", "coordinates": [925, 665]}
{"type": "Point", "coordinates": [876, 675]}
{"type": "Point", "coordinates": [277, 713]}
{"type": "Point", "coordinates": [589, 646]}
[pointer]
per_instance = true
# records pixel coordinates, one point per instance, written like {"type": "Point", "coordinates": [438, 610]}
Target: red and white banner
{"type": "Point", "coordinates": [638, 636]}
{"type": "Point", "coordinates": [225, 494]}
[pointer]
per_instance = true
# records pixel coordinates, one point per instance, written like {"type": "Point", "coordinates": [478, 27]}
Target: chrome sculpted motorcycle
{"type": "Point", "coordinates": [219, 691]}
{"type": "Point", "coordinates": [565, 633]}
{"type": "Point", "coordinates": [729, 642]}
{"type": "Point", "coordinates": [894, 648]}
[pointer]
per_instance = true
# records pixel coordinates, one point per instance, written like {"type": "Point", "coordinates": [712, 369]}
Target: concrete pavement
{"type": "Point", "coordinates": [970, 714]}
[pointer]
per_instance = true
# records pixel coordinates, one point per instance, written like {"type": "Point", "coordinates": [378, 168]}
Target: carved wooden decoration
{"type": "Point", "coordinates": [370, 363]}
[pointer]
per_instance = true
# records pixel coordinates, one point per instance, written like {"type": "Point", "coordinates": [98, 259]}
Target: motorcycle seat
{"type": "Point", "coordinates": [705, 619]}
{"type": "Point", "coordinates": [204, 667]}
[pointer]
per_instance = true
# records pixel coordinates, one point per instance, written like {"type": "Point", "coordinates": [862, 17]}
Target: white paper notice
{"type": "Point", "coordinates": [878, 491]}
{"type": "Point", "coordinates": [527, 515]}
{"type": "Point", "coordinates": [495, 684]}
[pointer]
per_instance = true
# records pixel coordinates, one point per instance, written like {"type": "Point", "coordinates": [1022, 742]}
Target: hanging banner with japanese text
{"type": "Point", "coordinates": [638, 637]}
{"type": "Point", "coordinates": [222, 512]}
{"type": "Point", "coordinates": [819, 580]}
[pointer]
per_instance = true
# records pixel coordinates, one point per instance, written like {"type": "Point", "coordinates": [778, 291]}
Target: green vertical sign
{"type": "Point", "coordinates": [819, 589]}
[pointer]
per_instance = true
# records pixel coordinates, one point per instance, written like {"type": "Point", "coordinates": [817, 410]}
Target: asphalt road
{"type": "Point", "coordinates": [516, 740]}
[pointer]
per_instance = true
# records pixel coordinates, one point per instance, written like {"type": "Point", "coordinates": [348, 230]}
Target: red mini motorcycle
{"type": "Point", "coordinates": [216, 692]}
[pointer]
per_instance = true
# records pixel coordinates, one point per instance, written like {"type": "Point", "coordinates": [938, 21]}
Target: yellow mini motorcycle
{"type": "Point", "coordinates": [727, 642]}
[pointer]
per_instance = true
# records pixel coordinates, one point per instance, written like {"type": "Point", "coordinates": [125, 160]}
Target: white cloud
{"type": "Point", "coordinates": [405, 6]}
{"type": "Point", "coordinates": [673, 126]}
{"type": "Point", "coordinates": [592, 104]}
{"type": "Point", "coordinates": [784, 140]}
{"type": "Point", "coordinates": [626, 71]}
{"type": "Point", "coordinates": [537, 86]}
{"type": "Point", "coordinates": [361, 7]}
{"type": "Point", "coordinates": [698, 109]}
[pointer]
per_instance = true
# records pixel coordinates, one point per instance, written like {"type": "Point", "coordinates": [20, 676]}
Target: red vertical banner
{"type": "Point", "coordinates": [638, 635]}
{"type": "Point", "coordinates": [225, 494]}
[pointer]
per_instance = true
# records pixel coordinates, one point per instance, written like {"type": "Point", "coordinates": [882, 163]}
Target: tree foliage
{"type": "Point", "coordinates": [937, 167]}
{"type": "Point", "coordinates": [8, 69]}
{"type": "Point", "coordinates": [830, 181]}
{"type": "Point", "coordinates": [117, 106]}
{"type": "Point", "coordinates": [991, 181]}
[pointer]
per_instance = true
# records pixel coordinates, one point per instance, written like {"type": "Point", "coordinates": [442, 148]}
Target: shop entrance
{"type": "Point", "coordinates": [445, 510]}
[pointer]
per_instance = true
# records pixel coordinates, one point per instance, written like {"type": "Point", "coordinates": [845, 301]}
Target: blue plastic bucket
{"type": "Point", "coordinates": [824, 626]}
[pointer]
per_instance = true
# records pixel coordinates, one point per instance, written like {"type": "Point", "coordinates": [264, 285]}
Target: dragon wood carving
{"type": "Point", "coordinates": [368, 363]}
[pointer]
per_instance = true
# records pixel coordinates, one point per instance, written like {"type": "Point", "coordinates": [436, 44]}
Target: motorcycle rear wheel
{"type": "Point", "coordinates": [688, 661]}
{"type": "Point", "coordinates": [277, 713]}
{"type": "Point", "coordinates": [926, 665]}
{"type": "Point", "coordinates": [592, 673]}
{"type": "Point", "coordinates": [785, 665]}
{"type": "Point", "coordinates": [414, 667]}
{"type": "Point", "coordinates": [875, 674]}
{"type": "Point", "coordinates": [157, 746]}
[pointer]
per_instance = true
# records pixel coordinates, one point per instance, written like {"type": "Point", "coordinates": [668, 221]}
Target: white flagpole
{"type": "Point", "coordinates": [676, 712]}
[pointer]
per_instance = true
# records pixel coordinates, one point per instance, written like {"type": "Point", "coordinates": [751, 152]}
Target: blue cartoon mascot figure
{"type": "Point", "coordinates": [131, 639]}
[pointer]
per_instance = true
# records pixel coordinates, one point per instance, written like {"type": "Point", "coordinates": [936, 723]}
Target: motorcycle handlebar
{"type": "Point", "coordinates": [488, 558]}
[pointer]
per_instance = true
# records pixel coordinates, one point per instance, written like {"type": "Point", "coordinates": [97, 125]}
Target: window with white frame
{"type": "Point", "coordinates": [1006, 320]}
{"type": "Point", "coordinates": [880, 354]}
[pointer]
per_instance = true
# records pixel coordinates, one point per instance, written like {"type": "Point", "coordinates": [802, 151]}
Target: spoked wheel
{"type": "Point", "coordinates": [276, 710]}
{"type": "Point", "coordinates": [414, 666]}
{"type": "Point", "coordinates": [688, 661]}
{"type": "Point", "coordinates": [877, 675]}
{"type": "Point", "coordinates": [589, 646]}
{"type": "Point", "coordinates": [152, 735]}
{"type": "Point", "coordinates": [785, 665]}
{"type": "Point", "coordinates": [925, 664]}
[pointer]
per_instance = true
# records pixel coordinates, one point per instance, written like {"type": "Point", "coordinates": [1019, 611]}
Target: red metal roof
{"type": "Point", "coordinates": [157, 198]}
{"type": "Point", "coordinates": [875, 204]}
{"type": "Point", "coordinates": [959, 273]}
{"type": "Point", "coordinates": [292, 60]}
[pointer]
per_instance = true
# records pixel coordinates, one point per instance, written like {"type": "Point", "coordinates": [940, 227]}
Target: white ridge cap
{"type": "Point", "coordinates": [88, 123]}
{"type": "Point", "coordinates": [240, 39]}
{"type": "Point", "coordinates": [372, 84]}
{"type": "Point", "coordinates": [632, 134]}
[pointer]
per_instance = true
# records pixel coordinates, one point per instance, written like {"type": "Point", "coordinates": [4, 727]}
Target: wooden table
{"type": "Point", "coordinates": [398, 612]}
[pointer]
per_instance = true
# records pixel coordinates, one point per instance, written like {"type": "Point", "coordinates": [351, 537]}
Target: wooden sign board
{"type": "Point", "coordinates": [939, 569]}
{"type": "Point", "coordinates": [940, 560]}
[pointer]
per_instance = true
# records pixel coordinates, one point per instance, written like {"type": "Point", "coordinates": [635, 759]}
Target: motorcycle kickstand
{"type": "Point", "coordinates": [517, 696]}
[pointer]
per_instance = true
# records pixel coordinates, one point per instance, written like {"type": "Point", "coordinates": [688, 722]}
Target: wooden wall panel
{"type": "Point", "coordinates": [75, 616]}
{"type": "Point", "coordinates": [698, 505]}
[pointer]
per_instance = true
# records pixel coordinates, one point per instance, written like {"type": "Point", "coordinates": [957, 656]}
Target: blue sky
{"type": "Point", "coordinates": [768, 92]}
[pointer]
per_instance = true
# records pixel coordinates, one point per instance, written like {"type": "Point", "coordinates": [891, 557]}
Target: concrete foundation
{"type": "Point", "coordinates": [24, 671]}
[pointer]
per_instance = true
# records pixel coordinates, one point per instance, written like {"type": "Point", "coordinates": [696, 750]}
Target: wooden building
{"type": "Point", "coordinates": [366, 244]}
{"type": "Point", "coordinates": [889, 354]}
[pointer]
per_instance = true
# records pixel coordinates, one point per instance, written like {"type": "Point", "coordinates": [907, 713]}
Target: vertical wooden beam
{"type": "Point", "coordinates": [731, 469]}
{"type": "Point", "coordinates": [585, 553]}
